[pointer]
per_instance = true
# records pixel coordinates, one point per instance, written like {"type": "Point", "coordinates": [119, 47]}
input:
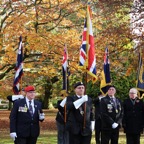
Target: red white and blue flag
{"type": "Point", "coordinates": [65, 69]}
{"type": "Point", "coordinates": [106, 80]}
{"type": "Point", "coordinates": [18, 68]}
{"type": "Point", "coordinates": [87, 50]}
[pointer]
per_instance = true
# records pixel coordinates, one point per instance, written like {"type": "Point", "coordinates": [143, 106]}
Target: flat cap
{"type": "Point", "coordinates": [78, 84]}
{"type": "Point", "coordinates": [29, 88]}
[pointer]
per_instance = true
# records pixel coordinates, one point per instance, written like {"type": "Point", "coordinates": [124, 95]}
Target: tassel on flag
{"type": "Point", "coordinates": [87, 51]}
{"type": "Point", "coordinates": [18, 68]}
{"type": "Point", "coordinates": [106, 80]}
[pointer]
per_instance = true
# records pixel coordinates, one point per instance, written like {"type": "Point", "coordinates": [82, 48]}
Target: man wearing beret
{"type": "Point", "coordinates": [25, 117]}
{"type": "Point", "coordinates": [111, 117]}
{"type": "Point", "coordinates": [80, 121]}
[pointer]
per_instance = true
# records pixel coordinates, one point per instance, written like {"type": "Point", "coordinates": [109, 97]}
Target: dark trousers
{"type": "Point", "coordinates": [133, 138]}
{"type": "Point", "coordinates": [98, 131]}
{"type": "Point", "coordinates": [79, 139]}
{"type": "Point", "coordinates": [110, 135]}
{"type": "Point", "coordinates": [62, 134]}
{"type": "Point", "coordinates": [29, 140]}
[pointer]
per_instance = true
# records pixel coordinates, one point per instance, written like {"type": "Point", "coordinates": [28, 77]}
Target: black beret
{"type": "Point", "coordinates": [109, 86]}
{"type": "Point", "coordinates": [78, 84]}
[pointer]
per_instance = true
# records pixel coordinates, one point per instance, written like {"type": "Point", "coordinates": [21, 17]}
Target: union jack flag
{"type": "Point", "coordinates": [87, 51]}
{"type": "Point", "coordinates": [18, 68]}
{"type": "Point", "coordinates": [106, 80]}
{"type": "Point", "coordinates": [65, 69]}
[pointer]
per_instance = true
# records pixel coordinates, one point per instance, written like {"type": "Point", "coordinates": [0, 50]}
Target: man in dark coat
{"type": "Point", "coordinates": [80, 120]}
{"type": "Point", "coordinates": [25, 117]}
{"type": "Point", "coordinates": [133, 120]}
{"type": "Point", "coordinates": [98, 118]}
{"type": "Point", "coordinates": [111, 116]}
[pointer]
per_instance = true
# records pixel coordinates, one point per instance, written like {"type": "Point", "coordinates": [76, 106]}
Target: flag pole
{"type": "Point", "coordinates": [22, 66]}
{"type": "Point", "coordinates": [87, 54]}
{"type": "Point", "coordinates": [87, 44]}
{"type": "Point", "coordinates": [65, 79]}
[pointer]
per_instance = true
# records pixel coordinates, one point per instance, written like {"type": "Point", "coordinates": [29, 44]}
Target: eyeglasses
{"type": "Point", "coordinates": [31, 92]}
{"type": "Point", "coordinates": [132, 93]}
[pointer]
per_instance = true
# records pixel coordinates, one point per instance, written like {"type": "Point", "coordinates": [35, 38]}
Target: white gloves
{"type": "Point", "coordinates": [114, 125]}
{"type": "Point", "coordinates": [92, 125]}
{"type": "Point", "coordinates": [41, 116]}
{"type": "Point", "coordinates": [13, 135]}
{"type": "Point", "coordinates": [100, 97]}
{"type": "Point", "coordinates": [63, 102]}
{"type": "Point", "coordinates": [80, 101]}
{"type": "Point", "coordinates": [15, 97]}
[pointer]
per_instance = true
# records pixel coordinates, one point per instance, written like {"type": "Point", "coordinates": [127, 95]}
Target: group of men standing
{"type": "Point", "coordinates": [76, 119]}
{"type": "Point", "coordinates": [111, 114]}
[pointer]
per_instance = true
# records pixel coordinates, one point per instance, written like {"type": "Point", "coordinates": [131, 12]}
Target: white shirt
{"type": "Point", "coordinates": [79, 96]}
{"type": "Point", "coordinates": [32, 103]}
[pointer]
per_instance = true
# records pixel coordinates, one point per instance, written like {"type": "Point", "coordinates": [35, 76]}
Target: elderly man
{"type": "Point", "coordinates": [25, 117]}
{"type": "Point", "coordinates": [80, 120]}
{"type": "Point", "coordinates": [133, 120]}
{"type": "Point", "coordinates": [111, 117]}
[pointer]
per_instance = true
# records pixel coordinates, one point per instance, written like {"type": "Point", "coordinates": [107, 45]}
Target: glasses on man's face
{"type": "Point", "coordinates": [31, 92]}
{"type": "Point", "coordinates": [132, 93]}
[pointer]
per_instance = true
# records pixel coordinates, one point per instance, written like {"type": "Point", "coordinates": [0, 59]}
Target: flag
{"type": "Point", "coordinates": [106, 80]}
{"type": "Point", "coordinates": [140, 76]}
{"type": "Point", "coordinates": [65, 69]}
{"type": "Point", "coordinates": [87, 60]}
{"type": "Point", "coordinates": [18, 68]}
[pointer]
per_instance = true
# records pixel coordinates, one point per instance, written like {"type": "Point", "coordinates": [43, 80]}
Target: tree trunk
{"type": "Point", "coordinates": [48, 91]}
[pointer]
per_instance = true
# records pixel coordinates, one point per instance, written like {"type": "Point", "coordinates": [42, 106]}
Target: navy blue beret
{"type": "Point", "coordinates": [78, 84]}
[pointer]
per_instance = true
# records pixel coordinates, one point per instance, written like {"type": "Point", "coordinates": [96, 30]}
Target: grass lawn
{"type": "Point", "coordinates": [48, 130]}
{"type": "Point", "coordinates": [50, 137]}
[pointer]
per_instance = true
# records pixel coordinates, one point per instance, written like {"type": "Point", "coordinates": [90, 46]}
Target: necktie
{"type": "Point", "coordinates": [30, 109]}
{"type": "Point", "coordinates": [114, 102]}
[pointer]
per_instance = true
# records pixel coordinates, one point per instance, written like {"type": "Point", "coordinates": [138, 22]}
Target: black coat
{"type": "Point", "coordinates": [133, 120]}
{"type": "Point", "coordinates": [97, 108]}
{"type": "Point", "coordinates": [75, 120]}
{"type": "Point", "coordinates": [109, 114]}
{"type": "Point", "coordinates": [61, 112]}
{"type": "Point", "coordinates": [21, 121]}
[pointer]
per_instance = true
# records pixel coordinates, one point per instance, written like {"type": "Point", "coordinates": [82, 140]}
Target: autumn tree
{"type": "Point", "coordinates": [46, 25]}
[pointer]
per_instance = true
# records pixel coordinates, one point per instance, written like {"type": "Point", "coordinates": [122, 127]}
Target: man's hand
{"type": "Point", "coordinates": [13, 135]}
{"type": "Point", "coordinates": [63, 102]}
{"type": "Point", "coordinates": [92, 125]}
{"type": "Point", "coordinates": [114, 125]}
{"type": "Point", "coordinates": [80, 101]}
{"type": "Point", "coordinates": [85, 98]}
{"type": "Point", "coordinates": [41, 116]}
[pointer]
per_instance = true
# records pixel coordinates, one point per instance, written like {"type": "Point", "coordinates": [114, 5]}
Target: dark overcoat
{"type": "Point", "coordinates": [21, 121]}
{"type": "Point", "coordinates": [133, 119]}
{"type": "Point", "coordinates": [110, 114]}
{"type": "Point", "coordinates": [76, 117]}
